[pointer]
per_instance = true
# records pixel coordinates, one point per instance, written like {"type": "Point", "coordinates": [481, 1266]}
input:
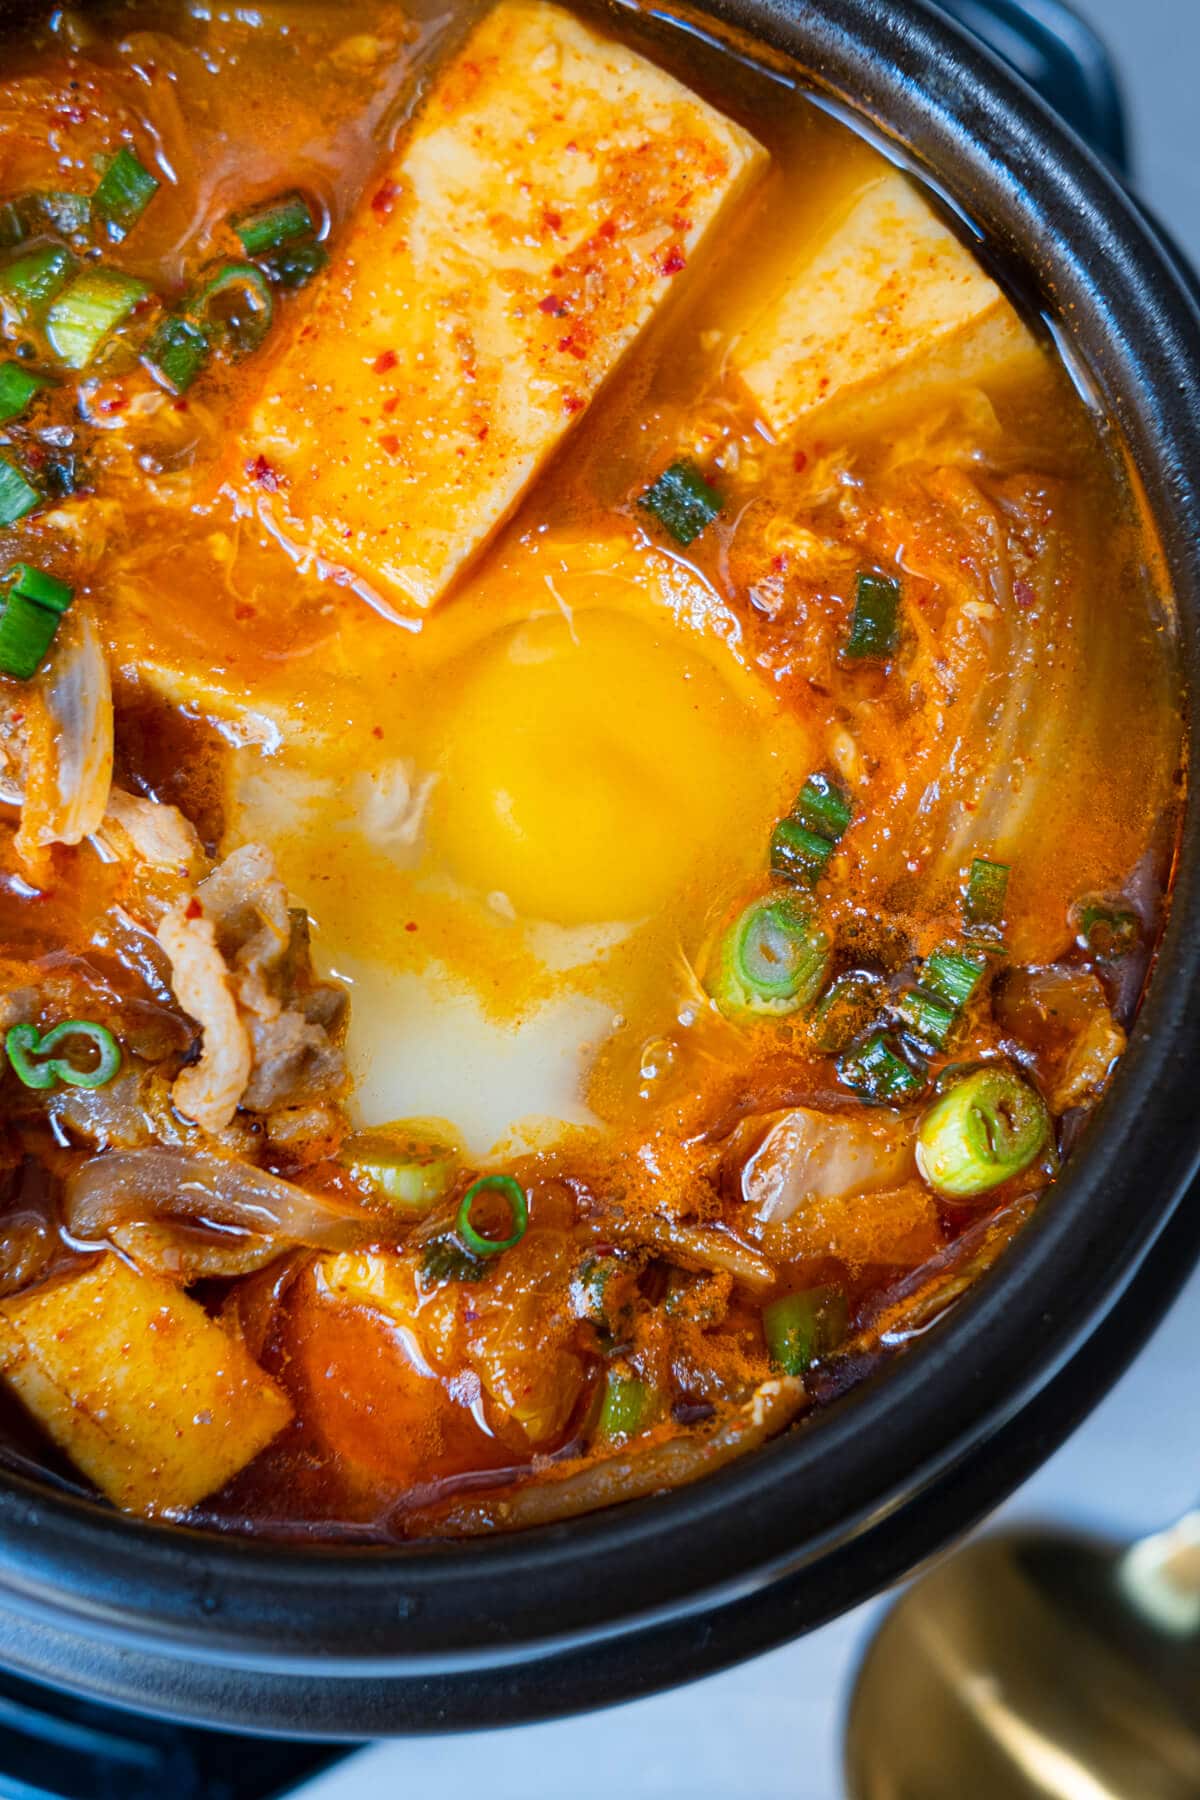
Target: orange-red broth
{"type": "Point", "coordinates": [1077, 683]}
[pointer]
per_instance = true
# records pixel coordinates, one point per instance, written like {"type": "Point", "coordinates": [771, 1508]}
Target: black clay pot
{"type": "Point", "coordinates": [357, 1643]}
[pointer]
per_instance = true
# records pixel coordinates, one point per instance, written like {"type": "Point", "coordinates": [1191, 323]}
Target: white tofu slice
{"type": "Point", "coordinates": [551, 194]}
{"type": "Point", "coordinates": [146, 1394]}
{"type": "Point", "coordinates": [890, 308]}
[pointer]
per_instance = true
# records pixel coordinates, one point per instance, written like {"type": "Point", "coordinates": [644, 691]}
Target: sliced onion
{"type": "Point", "coordinates": [696, 1247]}
{"type": "Point", "coordinates": [808, 1155]}
{"type": "Point", "coordinates": [227, 1216]}
{"type": "Point", "coordinates": [630, 1475]}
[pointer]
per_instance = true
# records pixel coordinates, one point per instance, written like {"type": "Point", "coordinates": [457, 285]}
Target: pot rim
{"type": "Point", "coordinates": [1052, 214]}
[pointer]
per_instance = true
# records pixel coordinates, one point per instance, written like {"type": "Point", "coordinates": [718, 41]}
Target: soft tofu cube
{"type": "Point", "coordinates": [889, 308]}
{"type": "Point", "coordinates": [547, 200]}
{"type": "Point", "coordinates": [146, 1394]}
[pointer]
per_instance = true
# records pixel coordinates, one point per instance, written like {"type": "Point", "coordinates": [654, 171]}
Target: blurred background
{"type": "Point", "coordinates": [771, 1729]}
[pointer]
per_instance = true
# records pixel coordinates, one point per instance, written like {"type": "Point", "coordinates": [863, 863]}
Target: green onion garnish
{"type": "Point", "coordinates": [177, 352]}
{"type": "Point", "coordinates": [518, 1204]}
{"type": "Point", "coordinates": [292, 266]}
{"type": "Point", "coordinates": [875, 626]}
{"type": "Point", "coordinates": [855, 1001]}
{"type": "Point", "coordinates": [92, 307]}
{"type": "Point", "coordinates": [798, 854]}
{"type": "Point", "coordinates": [17, 496]}
{"type": "Point", "coordinates": [275, 222]}
{"type": "Point", "coordinates": [802, 1327]}
{"type": "Point", "coordinates": [1108, 931]}
{"type": "Point", "coordinates": [235, 304]}
{"type": "Point", "coordinates": [987, 885]}
{"type": "Point", "coordinates": [682, 502]}
{"type": "Point", "coordinates": [36, 603]}
{"type": "Point", "coordinates": [878, 1072]}
{"type": "Point", "coordinates": [953, 975]}
{"type": "Point", "coordinates": [17, 388]}
{"type": "Point", "coordinates": [443, 1258]}
{"type": "Point", "coordinates": [32, 281]}
{"type": "Point", "coordinates": [984, 1130]}
{"type": "Point", "coordinates": [773, 959]}
{"type": "Point", "coordinates": [821, 806]}
{"type": "Point", "coordinates": [412, 1173]}
{"type": "Point", "coordinates": [928, 1018]}
{"type": "Point", "coordinates": [125, 191]}
{"type": "Point", "coordinates": [24, 1041]}
{"type": "Point", "coordinates": [625, 1408]}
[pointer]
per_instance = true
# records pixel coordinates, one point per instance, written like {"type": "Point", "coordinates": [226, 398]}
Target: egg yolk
{"type": "Point", "coordinates": [588, 768]}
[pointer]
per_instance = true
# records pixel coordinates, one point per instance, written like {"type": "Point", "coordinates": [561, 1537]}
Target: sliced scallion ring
{"type": "Point", "coordinates": [235, 305]}
{"type": "Point", "coordinates": [984, 1130]}
{"type": "Point", "coordinates": [22, 1042]}
{"type": "Point", "coordinates": [518, 1203]}
{"type": "Point", "coordinates": [773, 959]}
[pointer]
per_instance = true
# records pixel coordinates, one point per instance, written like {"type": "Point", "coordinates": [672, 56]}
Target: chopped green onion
{"type": "Point", "coordinates": [30, 619]}
{"type": "Point", "coordinates": [32, 281]}
{"type": "Point", "coordinates": [682, 502]}
{"type": "Point", "coordinates": [413, 1173]}
{"type": "Point", "coordinates": [984, 1130]}
{"type": "Point", "coordinates": [177, 352]}
{"type": "Point", "coordinates": [877, 1072]}
{"type": "Point", "coordinates": [236, 303]}
{"type": "Point", "coordinates": [292, 266]}
{"type": "Point", "coordinates": [267, 226]}
{"type": "Point", "coordinates": [17, 388]}
{"type": "Point", "coordinates": [25, 1041]}
{"type": "Point", "coordinates": [854, 1001]}
{"type": "Point", "coordinates": [518, 1205]}
{"type": "Point", "coordinates": [773, 959]}
{"type": "Point", "coordinates": [953, 975]}
{"type": "Point", "coordinates": [802, 1327]}
{"type": "Point", "coordinates": [46, 590]}
{"type": "Point", "coordinates": [1107, 931]}
{"type": "Point", "coordinates": [798, 854]}
{"type": "Point", "coordinates": [625, 1409]}
{"type": "Point", "coordinates": [90, 309]}
{"type": "Point", "coordinates": [875, 626]}
{"type": "Point", "coordinates": [17, 496]}
{"type": "Point", "coordinates": [987, 885]}
{"type": "Point", "coordinates": [443, 1258]}
{"type": "Point", "coordinates": [125, 191]}
{"type": "Point", "coordinates": [822, 807]}
{"type": "Point", "coordinates": [928, 1018]}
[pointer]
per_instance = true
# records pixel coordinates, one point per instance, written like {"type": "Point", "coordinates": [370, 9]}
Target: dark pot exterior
{"type": "Point", "coordinates": [353, 1643]}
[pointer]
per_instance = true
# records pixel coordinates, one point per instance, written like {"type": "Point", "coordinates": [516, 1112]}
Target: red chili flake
{"type": "Point", "coordinates": [552, 220]}
{"type": "Point", "coordinates": [193, 909]}
{"type": "Point", "coordinates": [571, 146]}
{"type": "Point", "coordinates": [390, 442]}
{"type": "Point", "coordinates": [572, 403]}
{"type": "Point", "coordinates": [113, 404]}
{"type": "Point", "coordinates": [384, 361]}
{"type": "Point", "coordinates": [411, 926]}
{"type": "Point", "coordinates": [1023, 593]}
{"type": "Point", "coordinates": [377, 731]}
{"type": "Point", "coordinates": [572, 348]}
{"type": "Point", "coordinates": [799, 461]}
{"type": "Point", "coordinates": [482, 433]}
{"type": "Point", "coordinates": [390, 404]}
{"type": "Point", "coordinates": [608, 229]}
{"type": "Point", "coordinates": [384, 199]}
{"type": "Point", "coordinates": [681, 225]}
{"type": "Point", "coordinates": [261, 472]}
{"type": "Point", "coordinates": [179, 405]}
{"type": "Point", "coordinates": [244, 610]}
{"type": "Point", "coordinates": [673, 261]}
{"type": "Point", "coordinates": [553, 305]}
{"type": "Point", "coordinates": [70, 115]}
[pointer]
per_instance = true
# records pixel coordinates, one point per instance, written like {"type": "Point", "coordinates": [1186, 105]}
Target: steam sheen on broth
{"type": "Point", "coordinates": [589, 760]}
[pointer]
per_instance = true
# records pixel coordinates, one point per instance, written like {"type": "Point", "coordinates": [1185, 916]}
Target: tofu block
{"type": "Point", "coordinates": [146, 1394]}
{"type": "Point", "coordinates": [551, 194]}
{"type": "Point", "coordinates": [891, 307]}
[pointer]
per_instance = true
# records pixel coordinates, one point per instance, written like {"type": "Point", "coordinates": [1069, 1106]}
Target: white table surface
{"type": "Point", "coordinates": [771, 1729]}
